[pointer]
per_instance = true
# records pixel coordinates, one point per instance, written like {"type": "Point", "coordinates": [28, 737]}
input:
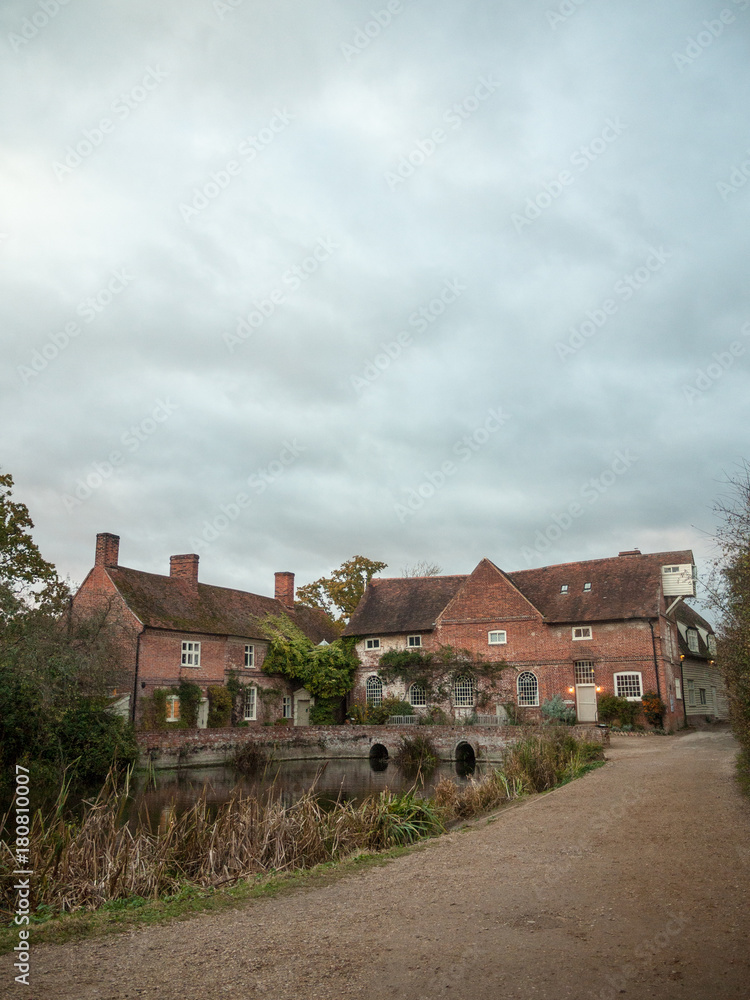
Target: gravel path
{"type": "Point", "coordinates": [630, 882]}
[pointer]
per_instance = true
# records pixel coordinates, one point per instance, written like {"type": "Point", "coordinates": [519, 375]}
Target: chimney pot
{"type": "Point", "coordinates": [107, 549]}
{"type": "Point", "coordinates": [284, 590]}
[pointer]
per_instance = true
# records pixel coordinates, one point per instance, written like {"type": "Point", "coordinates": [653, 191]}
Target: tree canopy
{"type": "Point", "coordinates": [339, 594]}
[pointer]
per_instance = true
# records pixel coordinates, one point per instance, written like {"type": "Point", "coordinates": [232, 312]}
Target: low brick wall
{"type": "Point", "coordinates": [206, 747]}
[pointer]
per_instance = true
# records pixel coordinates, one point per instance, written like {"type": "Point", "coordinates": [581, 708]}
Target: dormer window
{"type": "Point", "coordinates": [564, 589]}
{"type": "Point", "coordinates": [692, 640]}
{"type": "Point", "coordinates": [586, 587]}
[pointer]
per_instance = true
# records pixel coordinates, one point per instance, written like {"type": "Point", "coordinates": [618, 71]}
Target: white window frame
{"type": "Point", "coordinates": [374, 691]}
{"type": "Point", "coordinates": [249, 656]}
{"type": "Point", "coordinates": [173, 708]}
{"type": "Point", "coordinates": [590, 671]}
{"type": "Point", "coordinates": [702, 696]}
{"type": "Point", "coordinates": [420, 700]}
{"type": "Point", "coordinates": [586, 632]}
{"type": "Point", "coordinates": [501, 637]}
{"type": "Point", "coordinates": [191, 654]}
{"type": "Point", "coordinates": [691, 693]}
{"type": "Point", "coordinates": [586, 587]}
{"type": "Point", "coordinates": [678, 688]}
{"type": "Point", "coordinates": [692, 640]}
{"type": "Point", "coordinates": [564, 588]}
{"type": "Point", "coordinates": [525, 698]}
{"type": "Point", "coordinates": [464, 694]}
{"type": "Point", "coordinates": [372, 643]}
{"type": "Point", "coordinates": [286, 707]}
{"type": "Point", "coordinates": [628, 673]}
{"type": "Point", "coordinates": [250, 704]}
{"type": "Point", "coordinates": [414, 641]}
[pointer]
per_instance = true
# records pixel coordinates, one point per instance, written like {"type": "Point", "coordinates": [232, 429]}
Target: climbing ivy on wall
{"type": "Point", "coordinates": [326, 671]}
{"type": "Point", "coordinates": [438, 671]}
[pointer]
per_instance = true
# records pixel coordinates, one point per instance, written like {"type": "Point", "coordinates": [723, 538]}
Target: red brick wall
{"type": "Point", "coordinates": [492, 604]}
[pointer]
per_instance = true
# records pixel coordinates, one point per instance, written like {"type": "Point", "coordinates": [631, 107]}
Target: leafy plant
{"type": "Point", "coordinates": [190, 698]}
{"type": "Point", "coordinates": [555, 710]}
{"type": "Point", "coordinates": [654, 709]}
{"type": "Point", "coordinates": [325, 671]}
{"type": "Point", "coordinates": [220, 701]}
{"type": "Point", "coordinates": [325, 712]}
{"type": "Point", "coordinates": [338, 595]}
{"type": "Point", "coordinates": [416, 751]}
{"type": "Point", "coordinates": [613, 709]}
{"type": "Point", "coordinates": [438, 671]}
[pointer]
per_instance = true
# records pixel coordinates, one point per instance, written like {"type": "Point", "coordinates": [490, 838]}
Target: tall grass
{"type": "Point", "coordinates": [86, 862]}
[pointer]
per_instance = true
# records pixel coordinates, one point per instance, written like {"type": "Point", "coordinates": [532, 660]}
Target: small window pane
{"type": "Point", "coordinates": [191, 654]}
{"type": "Point", "coordinates": [249, 656]}
{"type": "Point", "coordinates": [497, 638]}
{"type": "Point", "coordinates": [286, 707]}
{"type": "Point", "coordinates": [374, 690]}
{"type": "Point", "coordinates": [585, 672]}
{"type": "Point", "coordinates": [587, 586]}
{"type": "Point", "coordinates": [417, 696]}
{"type": "Point", "coordinates": [249, 704]}
{"type": "Point", "coordinates": [414, 640]}
{"type": "Point", "coordinates": [372, 643]}
{"type": "Point", "coordinates": [692, 638]}
{"type": "Point", "coordinates": [628, 686]}
{"type": "Point", "coordinates": [582, 632]}
{"type": "Point", "coordinates": [564, 589]}
{"type": "Point", "coordinates": [463, 692]}
{"type": "Point", "coordinates": [528, 689]}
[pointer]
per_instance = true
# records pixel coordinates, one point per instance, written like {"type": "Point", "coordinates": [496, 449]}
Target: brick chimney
{"type": "Point", "coordinates": [107, 549]}
{"type": "Point", "coordinates": [630, 552]}
{"type": "Point", "coordinates": [284, 591]}
{"type": "Point", "coordinates": [184, 569]}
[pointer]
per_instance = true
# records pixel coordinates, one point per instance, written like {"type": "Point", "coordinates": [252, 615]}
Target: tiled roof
{"type": "Point", "coordinates": [688, 617]}
{"type": "Point", "coordinates": [407, 604]}
{"type": "Point", "coordinates": [163, 602]}
{"type": "Point", "coordinates": [626, 586]}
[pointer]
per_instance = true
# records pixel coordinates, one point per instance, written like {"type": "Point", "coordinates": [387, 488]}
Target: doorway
{"type": "Point", "coordinates": [586, 702]}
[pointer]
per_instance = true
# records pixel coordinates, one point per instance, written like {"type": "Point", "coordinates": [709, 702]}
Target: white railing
{"type": "Point", "coordinates": [402, 720]}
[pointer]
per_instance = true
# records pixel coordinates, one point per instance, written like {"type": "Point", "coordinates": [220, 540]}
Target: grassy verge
{"type": "Point", "coordinates": [96, 874]}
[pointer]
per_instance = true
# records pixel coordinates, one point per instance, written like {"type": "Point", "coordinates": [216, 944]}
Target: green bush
{"type": "Point", "coordinates": [95, 739]}
{"type": "Point", "coordinates": [555, 710]}
{"type": "Point", "coordinates": [654, 709]}
{"type": "Point", "coordinates": [190, 698]}
{"type": "Point", "coordinates": [325, 712]}
{"type": "Point", "coordinates": [220, 703]}
{"type": "Point", "coordinates": [620, 711]}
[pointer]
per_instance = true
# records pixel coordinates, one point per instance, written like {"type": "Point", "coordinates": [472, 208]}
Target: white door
{"type": "Point", "coordinates": [302, 707]}
{"type": "Point", "coordinates": [586, 702]}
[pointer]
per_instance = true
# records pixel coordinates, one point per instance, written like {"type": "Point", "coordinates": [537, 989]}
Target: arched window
{"type": "Point", "coordinates": [417, 696]}
{"type": "Point", "coordinates": [528, 689]}
{"type": "Point", "coordinates": [374, 689]}
{"type": "Point", "coordinates": [463, 692]}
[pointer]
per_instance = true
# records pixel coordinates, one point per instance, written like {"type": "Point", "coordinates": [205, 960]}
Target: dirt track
{"type": "Point", "coordinates": [631, 882]}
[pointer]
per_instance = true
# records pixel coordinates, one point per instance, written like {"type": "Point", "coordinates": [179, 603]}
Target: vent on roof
{"type": "Point", "coordinates": [630, 552]}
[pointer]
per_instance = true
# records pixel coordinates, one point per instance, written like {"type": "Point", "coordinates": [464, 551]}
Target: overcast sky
{"type": "Point", "coordinates": [286, 282]}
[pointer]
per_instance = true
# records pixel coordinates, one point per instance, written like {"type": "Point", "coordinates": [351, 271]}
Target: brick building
{"type": "Point", "coordinates": [577, 630]}
{"type": "Point", "coordinates": [173, 628]}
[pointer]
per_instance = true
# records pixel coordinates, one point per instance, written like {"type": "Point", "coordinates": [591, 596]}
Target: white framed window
{"type": "Point", "coordinates": [528, 689]}
{"type": "Point", "coordinates": [463, 692]}
{"type": "Point", "coordinates": [587, 587]}
{"type": "Point", "coordinates": [286, 707]}
{"type": "Point", "coordinates": [629, 685]}
{"type": "Point", "coordinates": [712, 645]}
{"type": "Point", "coordinates": [374, 690]}
{"type": "Point", "coordinates": [702, 695]}
{"type": "Point", "coordinates": [498, 638]}
{"type": "Point", "coordinates": [372, 643]}
{"type": "Point", "coordinates": [249, 656]}
{"type": "Point", "coordinates": [414, 640]}
{"type": "Point", "coordinates": [678, 688]}
{"type": "Point", "coordinates": [564, 589]}
{"type": "Point", "coordinates": [691, 693]}
{"type": "Point", "coordinates": [692, 640]}
{"type": "Point", "coordinates": [191, 654]}
{"type": "Point", "coordinates": [250, 704]}
{"type": "Point", "coordinates": [417, 696]}
{"type": "Point", "coordinates": [582, 632]}
{"type": "Point", "coordinates": [585, 672]}
{"type": "Point", "coordinates": [173, 708]}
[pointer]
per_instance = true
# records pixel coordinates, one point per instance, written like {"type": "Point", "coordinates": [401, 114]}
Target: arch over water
{"type": "Point", "coordinates": [378, 752]}
{"type": "Point", "coordinates": [466, 759]}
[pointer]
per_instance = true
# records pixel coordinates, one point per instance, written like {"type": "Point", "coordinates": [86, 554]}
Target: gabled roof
{"type": "Point", "coordinates": [405, 604]}
{"type": "Point", "coordinates": [625, 586]}
{"type": "Point", "coordinates": [164, 602]}
{"type": "Point", "coordinates": [687, 617]}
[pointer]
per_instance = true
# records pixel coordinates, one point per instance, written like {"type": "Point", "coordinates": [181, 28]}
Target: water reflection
{"type": "Point", "coordinates": [331, 780]}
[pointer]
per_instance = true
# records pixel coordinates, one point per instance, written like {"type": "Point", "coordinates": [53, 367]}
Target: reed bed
{"type": "Point", "coordinates": [99, 858]}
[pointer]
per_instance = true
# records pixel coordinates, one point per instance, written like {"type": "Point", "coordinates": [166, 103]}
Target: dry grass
{"type": "Point", "coordinates": [81, 865]}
